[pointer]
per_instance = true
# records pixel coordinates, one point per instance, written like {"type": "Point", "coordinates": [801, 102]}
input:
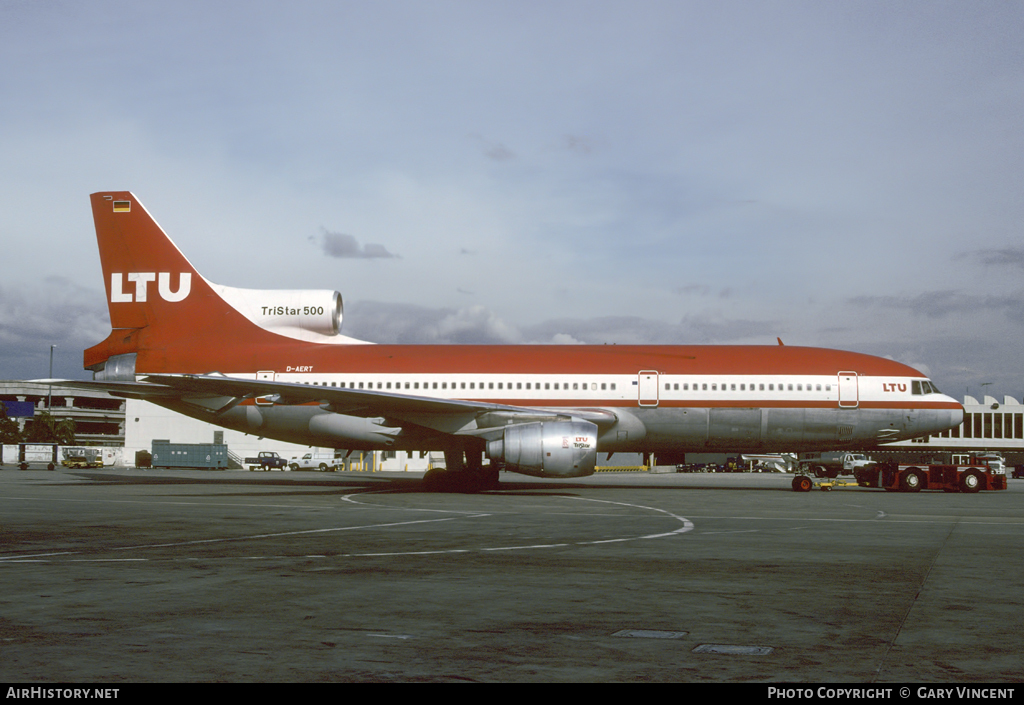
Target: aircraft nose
{"type": "Point", "coordinates": [939, 420]}
{"type": "Point", "coordinates": [932, 421]}
{"type": "Point", "coordinates": [956, 416]}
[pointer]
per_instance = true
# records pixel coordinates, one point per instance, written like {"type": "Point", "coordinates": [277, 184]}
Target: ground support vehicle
{"type": "Point", "coordinates": [975, 476]}
{"type": "Point", "coordinates": [833, 465]}
{"type": "Point", "coordinates": [82, 458]}
{"type": "Point", "coordinates": [804, 483]}
{"type": "Point", "coordinates": [37, 453]}
{"type": "Point", "coordinates": [266, 460]}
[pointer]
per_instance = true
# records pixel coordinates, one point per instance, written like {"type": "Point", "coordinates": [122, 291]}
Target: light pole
{"type": "Point", "coordinates": [49, 391]}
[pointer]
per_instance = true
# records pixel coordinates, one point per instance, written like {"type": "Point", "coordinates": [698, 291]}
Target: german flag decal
{"type": "Point", "coordinates": [122, 206]}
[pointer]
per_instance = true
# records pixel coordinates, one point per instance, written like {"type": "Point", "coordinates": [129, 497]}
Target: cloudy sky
{"type": "Point", "coordinates": [845, 175]}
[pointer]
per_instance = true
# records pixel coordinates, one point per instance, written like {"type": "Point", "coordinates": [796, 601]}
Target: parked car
{"type": "Point", "coordinates": [266, 460]}
{"type": "Point", "coordinates": [323, 462]}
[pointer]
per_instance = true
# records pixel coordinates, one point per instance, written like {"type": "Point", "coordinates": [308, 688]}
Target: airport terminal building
{"type": "Point", "coordinates": [99, 417]}
{"type": "Point", "coordinates": [103, 420]}
{"type": "Point", "coordinates": [990, 424]}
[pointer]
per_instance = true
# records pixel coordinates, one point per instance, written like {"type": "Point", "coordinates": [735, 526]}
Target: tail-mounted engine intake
{"type": "Point", "coordinates": [548, 448]}
{"type": "Point", "coordinates": [295, 313]}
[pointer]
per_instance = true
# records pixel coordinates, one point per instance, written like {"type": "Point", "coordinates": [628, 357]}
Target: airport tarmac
{"type": "Point", "coordinates": [175, 575]}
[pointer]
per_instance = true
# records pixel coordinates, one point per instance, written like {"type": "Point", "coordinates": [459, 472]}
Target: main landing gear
{"type": "Point", "coordinates": [464, 472]}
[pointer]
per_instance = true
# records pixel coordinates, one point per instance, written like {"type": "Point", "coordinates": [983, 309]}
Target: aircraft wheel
{"type": "Point", "coordinates": [802, 483]}
{"type": "Point", "coordinates": [970, 481]}
{"type": "Point", "coordinates": [469, 483]}
{"type": "Point", "coordinates": [489, 479]}
{"type": "Point", "coordinates": [433, 481]}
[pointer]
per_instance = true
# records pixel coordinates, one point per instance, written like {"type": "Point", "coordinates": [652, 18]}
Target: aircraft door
{"type": "Point", "coordinates": [647, 391]}
{"type": "Point", "coordinates": [848, 390]}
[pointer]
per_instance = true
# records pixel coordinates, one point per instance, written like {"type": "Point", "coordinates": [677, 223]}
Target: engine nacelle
{"type": "Point", "coordinates": [548, 448]}
{"type": "Point", "coordinates": [353, 430]}
{"type": "Point", "coordinates": [292, 312]}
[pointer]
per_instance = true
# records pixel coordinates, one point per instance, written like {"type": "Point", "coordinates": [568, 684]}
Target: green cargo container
{"type": "Point", "coordinates": [189, 455]}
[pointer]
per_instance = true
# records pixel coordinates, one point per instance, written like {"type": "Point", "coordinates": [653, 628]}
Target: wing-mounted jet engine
{"type": "Point", "coordinates": [547, 448]}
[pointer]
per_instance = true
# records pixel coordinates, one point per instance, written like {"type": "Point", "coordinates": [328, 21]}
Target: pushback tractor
{"type": "Point", "coordinates": [979, 473]}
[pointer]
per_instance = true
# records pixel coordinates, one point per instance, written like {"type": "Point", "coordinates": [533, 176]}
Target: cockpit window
{"type": "Point", "coordinates": [923, 387]}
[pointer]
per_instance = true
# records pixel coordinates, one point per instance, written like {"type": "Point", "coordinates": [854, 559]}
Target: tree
{"type": "Point", "coordinates": [9, 431]}
{"type": "Point", "coordinates": [46, 429]}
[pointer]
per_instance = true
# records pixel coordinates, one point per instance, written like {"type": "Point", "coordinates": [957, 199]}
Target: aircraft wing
{"type": "Point", "coordinates": [218, 393]}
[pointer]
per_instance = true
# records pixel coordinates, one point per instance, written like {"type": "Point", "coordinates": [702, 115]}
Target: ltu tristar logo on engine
{"type": "Point", "coordinates": [142, 279]}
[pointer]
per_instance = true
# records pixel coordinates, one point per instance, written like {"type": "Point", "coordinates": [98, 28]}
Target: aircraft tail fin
{"type": "Point", "coordinates": [164, 313]}
{"type": "Point", "coordinates": [146, 276]}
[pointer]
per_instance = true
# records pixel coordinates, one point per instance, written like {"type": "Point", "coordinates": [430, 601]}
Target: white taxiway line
{"type": "Point", "coordinates": [686, 526]}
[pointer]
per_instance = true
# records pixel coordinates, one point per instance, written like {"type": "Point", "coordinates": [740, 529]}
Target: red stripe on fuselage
{"type": "Point", "coordinates": [179, 356]}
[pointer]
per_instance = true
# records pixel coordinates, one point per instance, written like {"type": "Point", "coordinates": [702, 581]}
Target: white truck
{"type": "Point", "coordinates": [833, 464]}
{"type": "Point", "coordinates": [321, 461]}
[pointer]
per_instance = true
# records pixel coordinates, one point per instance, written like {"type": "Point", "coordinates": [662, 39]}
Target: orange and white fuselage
{"type": "Point", "coordinates": [274, 363]}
